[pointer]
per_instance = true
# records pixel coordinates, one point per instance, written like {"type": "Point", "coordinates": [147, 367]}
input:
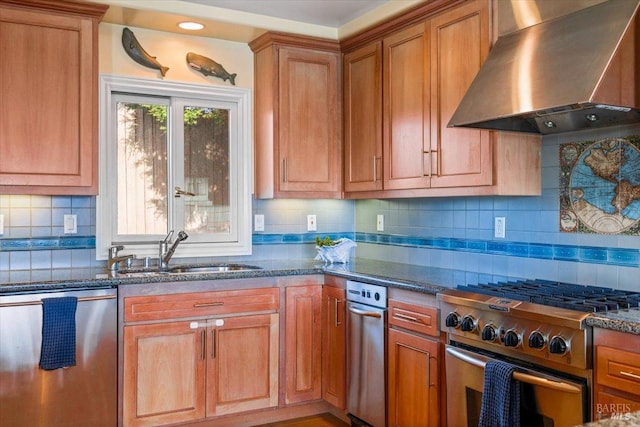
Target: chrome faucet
{"type": "Point", "coordinates": [166, 251]}
{"type": "Point", "coordinates": [114, 259]}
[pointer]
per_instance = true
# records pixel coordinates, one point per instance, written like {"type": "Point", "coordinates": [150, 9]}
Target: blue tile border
{"type": "Point", "coordinates": [625, 257]}
{"type": "Point", "coordinates": [587, 254]}
{"type": "Point", "coordinates": [47, 243]}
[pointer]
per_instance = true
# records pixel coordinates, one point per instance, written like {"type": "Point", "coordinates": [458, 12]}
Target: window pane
{"type": "Point", "coordinates": [142, 168]}
{"type": "Point", "coordinates": [206, 170]}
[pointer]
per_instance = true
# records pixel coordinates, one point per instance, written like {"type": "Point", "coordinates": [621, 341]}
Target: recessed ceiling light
{"type": "Point", "coordinates": [194, 26]}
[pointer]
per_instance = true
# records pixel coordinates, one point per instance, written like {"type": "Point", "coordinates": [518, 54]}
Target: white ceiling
{"type": "Point", "coordinates": [244, 20]}
{"type": "Point", "coordinates": [329, 13]}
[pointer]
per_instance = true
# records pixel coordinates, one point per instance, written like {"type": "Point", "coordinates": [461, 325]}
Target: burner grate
{"type": "Point", "coordinates": [559, 294]}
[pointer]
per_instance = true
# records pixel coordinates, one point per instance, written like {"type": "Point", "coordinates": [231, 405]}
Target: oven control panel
{"type": "Point", "coordinates": [527, 336]}
{"type": "Point", "coordinates": [365, 293]}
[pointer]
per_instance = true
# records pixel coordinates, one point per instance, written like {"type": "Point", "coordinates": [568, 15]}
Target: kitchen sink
{"type": "Point", "coordinates": [215, 268]}
{"type": "Point", "coordinates": [187, 269]}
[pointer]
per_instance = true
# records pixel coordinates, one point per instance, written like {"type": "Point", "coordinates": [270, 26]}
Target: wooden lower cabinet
{"type": "Point", "coordinates": [617, 374]}
{"type": "Point", "coordinates": [303, 341]}
{"type": "Point", "coordinates": [334, 330]}
{"type": "Point", "coordinates": [413, 380]}
{"type": "Point", "coordinates": [195, 369]}
{"type": "Point", "coordinates": [164, 374]}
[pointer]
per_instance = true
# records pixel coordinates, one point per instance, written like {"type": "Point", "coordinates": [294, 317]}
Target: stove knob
{"type": "Point", "coordinates": [536, 340]}
{"type": "Point", "coordinates": [468, 324]}
{"type": "Point", "coordinates": [489, 333]}
{"type": "Point", "coordinates": [511, 338]}
{"type": "Point", "coordinates": [452, 320]}
{"type": "Point", "coordinates": [557, 345]}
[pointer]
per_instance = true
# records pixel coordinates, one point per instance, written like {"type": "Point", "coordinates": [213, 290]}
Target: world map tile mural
{"type": "Point", "coordinates": [600, 186]}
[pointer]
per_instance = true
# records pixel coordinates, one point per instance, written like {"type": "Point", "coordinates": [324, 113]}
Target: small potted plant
{"type": "Point", "coordinates": [331, 251]}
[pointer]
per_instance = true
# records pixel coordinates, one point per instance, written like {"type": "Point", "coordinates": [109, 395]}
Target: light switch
{"type": "Point", "coordinates": [258, 223]}
{"type": "Point", "coordinates": [1, 225]}
{"type": "Point", "coordinates": [70, 224]}
{"type": "Point", "coordinates": [311, 223]}
{"type": "Point", "coordinates": [380, 223]}
{"type": "Point", "coordinates": [500, 227]}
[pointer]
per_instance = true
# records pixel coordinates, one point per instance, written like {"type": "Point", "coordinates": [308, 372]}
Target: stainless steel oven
{"type": "Point", "coordinates": [547, 399]}
{"type": "Point", "coordinates": [366, 349]}
{"type": "Point", "coordinates": [538, 327]}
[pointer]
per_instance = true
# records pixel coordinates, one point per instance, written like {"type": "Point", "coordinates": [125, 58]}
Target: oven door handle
{"type": "Point", "coordinates": [519, 376]}
{"type": "Point", "coordinates": [365, 313]}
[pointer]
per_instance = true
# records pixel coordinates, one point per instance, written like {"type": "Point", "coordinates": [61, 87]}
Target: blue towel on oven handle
{"type": "Point", "coordinates": [500, 397]}
{"type": "Point", "coordinates": [58, 333]}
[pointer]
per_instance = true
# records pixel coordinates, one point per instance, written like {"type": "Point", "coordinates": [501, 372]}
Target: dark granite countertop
{"type": "Point", "coordinates": [620, 320]}
{"type": "Point", "coordinates": [631, 419]}
{"type": "Point", "coordinates": [411, 277]}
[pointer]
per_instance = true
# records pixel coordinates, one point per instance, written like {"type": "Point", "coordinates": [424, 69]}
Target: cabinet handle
{"type": "Point", "coordinates": [337, 322]}
{"type": "Point", "coordinates": [202, 344]}
{"type": "Point", "coordinates": [433, 369]}
{"type": "Point", "coordinates": [433, 164]}
{"type": "Point", "coordinates": [284, 170]}
{"type": "Point", "coordinates": [375, 169]}
{"type": "Point", "coordinates": [213, 343]}
{"type": "Point", "coordinates": [208, 304]}
{"type": "Point", "coordinates": [630, 375]}
{"type": "Point", "coordinates": [409, 318]}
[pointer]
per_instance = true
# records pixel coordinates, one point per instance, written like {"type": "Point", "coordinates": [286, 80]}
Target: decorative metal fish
{"type": "Point", "coordinates": [209, 67]}
{"type": "Point", "coordinates": [138, 54]}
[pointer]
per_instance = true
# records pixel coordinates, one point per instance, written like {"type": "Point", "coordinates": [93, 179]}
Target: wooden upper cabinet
{"type": "Point", "coordinates": [459, 44]}
{"type": "Point", "coordinates": [430, 56]}
{"type": "Point", "coordinates": [49, 97]}
{"type": "Point", "coordinates": [363, 118]}
{"type": "Point", "coordinates": [406, 115]}
{"type": "Point", "coordinates": [298, 143]}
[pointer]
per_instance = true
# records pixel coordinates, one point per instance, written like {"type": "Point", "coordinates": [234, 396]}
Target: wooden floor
{"type": "Point", "coordinates": [322, 420]}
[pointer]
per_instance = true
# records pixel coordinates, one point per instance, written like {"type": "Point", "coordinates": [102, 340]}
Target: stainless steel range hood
{"type": "Point", "coordinates": [558, 75]}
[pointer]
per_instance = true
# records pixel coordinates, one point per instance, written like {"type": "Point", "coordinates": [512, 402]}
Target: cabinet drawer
{"type": "Point", "coordinates": [416, 318]}
{"type": "Point", "coordinates": [156, 307]}
{"type": "Point", "coordinates": [618, 369]}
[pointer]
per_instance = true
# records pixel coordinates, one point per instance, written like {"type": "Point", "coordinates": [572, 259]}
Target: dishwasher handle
{"type": "Point", "coordinates": [375, 314]}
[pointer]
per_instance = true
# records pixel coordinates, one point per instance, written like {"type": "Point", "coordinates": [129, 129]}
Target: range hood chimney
{"type": "Point", "coordinates": [560, 75]}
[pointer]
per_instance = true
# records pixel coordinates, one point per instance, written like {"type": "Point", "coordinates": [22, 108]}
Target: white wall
{"type": "Point", "coordinates": [171, 49]}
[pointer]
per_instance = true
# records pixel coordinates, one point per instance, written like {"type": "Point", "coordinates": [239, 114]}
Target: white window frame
{"type": "Point", "coordinates": [241, 169]}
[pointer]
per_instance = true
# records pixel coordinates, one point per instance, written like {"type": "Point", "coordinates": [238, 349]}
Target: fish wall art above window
{"type": "Point", "coordinates": [137, 53]}
{"type": "Point", "coordinates": [209, 67]}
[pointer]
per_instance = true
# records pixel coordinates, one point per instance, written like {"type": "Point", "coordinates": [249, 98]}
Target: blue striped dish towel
{"type": "Point", "coordinates": [58, 333]}
{"type": "Point", "coordinates": [500, 397]}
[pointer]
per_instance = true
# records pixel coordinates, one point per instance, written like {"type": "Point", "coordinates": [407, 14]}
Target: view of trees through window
{"type": "Point", "coordinates": [147, 158]}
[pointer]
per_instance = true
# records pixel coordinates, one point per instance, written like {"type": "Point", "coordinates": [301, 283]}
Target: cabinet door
{"type": "Point", "coordinates": [459, 45]}
{"type": "Point", "coordinates": [333, 346]}
{"type": "Point", "coordinates": [164, 374]}
{"type": "Point", "coordinates": [406, 109]}
{"type": "Point", "coordinates": [309, 125]}
{"type": "Point", "coordinates": [413, 380]}
{"type": "Point", "coordinates": [303, 342]}
{"type": "Point", "coordinates": [48, 103]}
{"type": "Point", "coordinates": [242, 364]}
{"type": "Point", "coordinates": [363, 118]}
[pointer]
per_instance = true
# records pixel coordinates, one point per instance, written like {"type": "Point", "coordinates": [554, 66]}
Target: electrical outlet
{"type": "Point", "coordinates": [1, 224]}
{"type": "Point", "coordinates": [258, 223]}
{"type": "Point", "coordinates": [70, 224]}
{"type": "Point", "coordinates": [380, 223]}
{"type": "Point", "coordinates": [500, 227]}
{"type": "Point", "coordinates": [311, 223]}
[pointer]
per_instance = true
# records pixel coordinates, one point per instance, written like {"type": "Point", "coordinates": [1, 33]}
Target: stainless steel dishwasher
{"type": "Point", "coordinates": [80, 395]}
{"type": "Point", "coordinates": [366, 349]}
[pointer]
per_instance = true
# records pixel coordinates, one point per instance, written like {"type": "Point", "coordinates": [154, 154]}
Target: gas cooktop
{"type": "Point", "coordinates": [558, 294]}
